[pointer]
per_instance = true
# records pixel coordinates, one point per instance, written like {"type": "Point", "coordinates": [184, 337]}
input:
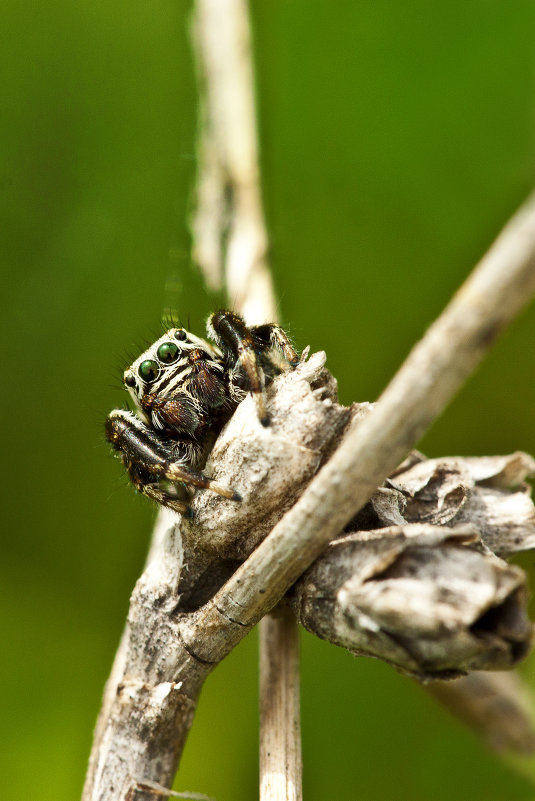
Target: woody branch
{"type": "Point", "coordinates": [164, 658]}
{"type": "Point", "coordinates": [150, 699]}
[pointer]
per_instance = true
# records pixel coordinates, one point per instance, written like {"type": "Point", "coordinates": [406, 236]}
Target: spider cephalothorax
{"type": "Point", "coordinates": [184, 390]}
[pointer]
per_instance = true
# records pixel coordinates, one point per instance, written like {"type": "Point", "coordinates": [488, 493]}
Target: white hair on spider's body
{"type": "Point", "coordinates": [171, 377]}
{"type": "Point", "coordinates": [184, 389]}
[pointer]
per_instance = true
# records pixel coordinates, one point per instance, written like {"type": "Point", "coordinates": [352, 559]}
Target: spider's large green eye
{"type": "Point", "coordinates": [167, 352]}
{"type": "Point", "coordinates": [148, 370]}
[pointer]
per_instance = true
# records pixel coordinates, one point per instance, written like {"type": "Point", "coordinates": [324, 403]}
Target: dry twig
{"type": "Point", "coordinates": [280, 728]}
{"type": "Point", "coordinates": [167, 655]}
{"type": "Point", "coordinates": [495, 705]}
{"type": "Point", "coordinates": [171, 642]}
{"type": "Point", "coordinates": [229, 234]}
{"type": "Point", "coordinates": [230, 240]}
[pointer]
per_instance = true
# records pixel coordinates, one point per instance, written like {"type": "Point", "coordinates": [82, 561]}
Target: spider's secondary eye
{"type": "Point", "coordinates": [130, 380]}
{"type": "Point", "coordinates": [148, 370]}
{"type": "Point", "coordinates": [180, 334]}
{"type": "Point", "coordinates": [167, 352]}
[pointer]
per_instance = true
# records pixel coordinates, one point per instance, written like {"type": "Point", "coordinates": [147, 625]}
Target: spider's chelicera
{"type": "Point", "coordinates": [184, 390]}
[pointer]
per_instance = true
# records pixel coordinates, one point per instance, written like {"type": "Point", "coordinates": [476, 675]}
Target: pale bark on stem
{"type": "Point", "coordinates": [497, 706]}
{"type": "Point", "coordinates": [165, 658]}
{"type": "Point", "coordinates": [280, 760]}
{"type": "Point", "coordinates": [230, 245]}
{"type": "Point", "coordinates": [495, 292]}
{"type": "Point", "coordinates": [230, 240]}
{"type": "Point", "coordinates": [280, 731]}
{"type": "Point", "coordinates": [229, 233]}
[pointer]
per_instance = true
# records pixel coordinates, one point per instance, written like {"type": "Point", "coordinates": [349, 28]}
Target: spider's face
{"type": "Point", "coordinates": [167, 365]}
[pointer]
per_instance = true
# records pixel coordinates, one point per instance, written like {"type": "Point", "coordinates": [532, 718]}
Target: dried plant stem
{"type": "Point", "coordinates": [164, 659]}
{"type": "Point", "coordinates": [230, 242]}
{"type": "Point", "coordinates": [280, 765]}
{"type": "Point", "coordinates": [230, 239]}
{"type": "Point", "coordinates": [280, 731]}
{"type": "Point", "coordinates": [150, 701]}
{"type": "Point", "coordinates": [498, 706]}
{"type": "Point", "coordinates": [229, 205]}
{"type": "Point", "coordinates": [499, 287]}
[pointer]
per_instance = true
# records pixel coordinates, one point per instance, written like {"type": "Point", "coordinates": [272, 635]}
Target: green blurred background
{"type": "Point", "coordinates": [396, 139]}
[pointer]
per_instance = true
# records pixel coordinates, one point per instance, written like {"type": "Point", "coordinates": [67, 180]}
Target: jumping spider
{"type": "Point", "coordinates": [184, 390]}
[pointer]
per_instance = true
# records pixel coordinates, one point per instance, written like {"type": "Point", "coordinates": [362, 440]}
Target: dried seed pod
{"type": "Point", "coordinates": [412, 581]}
{"type": "Point", "coordinates": [432, 601]}
{"type": "Point", "coordinates": [489, 491]}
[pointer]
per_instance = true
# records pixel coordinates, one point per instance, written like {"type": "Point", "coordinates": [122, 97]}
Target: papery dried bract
{"type": "Point", "coordinates": [430, 600]}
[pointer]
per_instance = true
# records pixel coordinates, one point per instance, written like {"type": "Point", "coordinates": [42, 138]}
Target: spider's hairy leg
{"type": "Point", "coordinates": [238, 344]}
{"type": "Point", "coordinates": [179, 472]}
{"type": "Point", "coordinates": [249, 348]}
{"type": "Point", "coordinates": [166, 496]}
{"type": "Point", "coordinates": [150, 458]}
{"type": "Point", "coordinates": [273, 336]}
